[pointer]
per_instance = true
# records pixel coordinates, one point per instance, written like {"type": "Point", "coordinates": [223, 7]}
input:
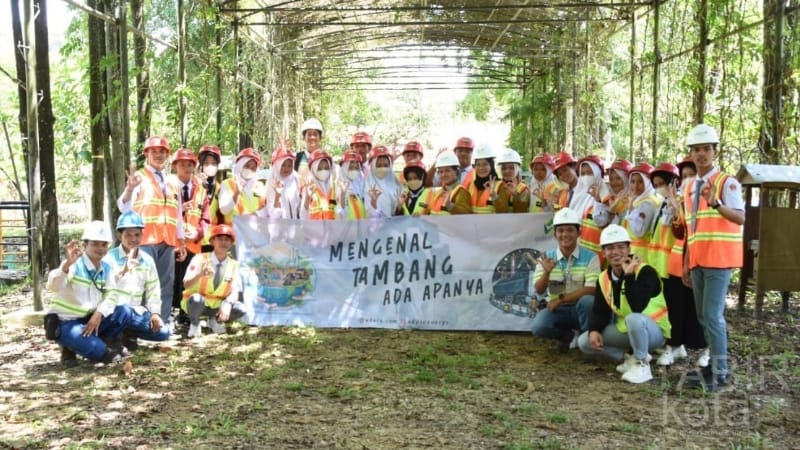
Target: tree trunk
{"type": "Point", "coordinates": [19, 58]}
{"type": "Point", "coordinates": [772, 128]}
{"type": "Point", "coordinates": [115, 153]}
{"type": "Point", "coordinates": [143, 109]}
{"type": "Point", "coordinates": [699, 95]}
{"type": "Point", "coordinates": [99, 133]}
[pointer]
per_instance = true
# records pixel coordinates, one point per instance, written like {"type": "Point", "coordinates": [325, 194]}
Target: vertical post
{"type": "Point", "coordinates": [218, 32]}
{"type": "Point", "coordinates": [573, 128]}
{"type": "Point", "coordinates": [124, 84]}
{"type": "Point", "coordinates": [777, 79]}
{"type": "Point", "coordinates": [182, 71]}
{"type": "Point", "coordinates": [656, 81]}
{"type": "Point", "coordinates": [699, 102]}
{"type": "Point", "coordinates": [632, 105]}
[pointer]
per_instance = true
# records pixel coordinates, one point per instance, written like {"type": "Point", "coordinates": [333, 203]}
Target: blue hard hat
{"type": "Point", "coordinates": [129, 220]}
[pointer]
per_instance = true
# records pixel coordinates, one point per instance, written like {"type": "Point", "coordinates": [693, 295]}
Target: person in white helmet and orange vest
{"type": "Point", "coordinates": [212, 285]}
{"type": "Point", "coordinates": [565, 276]}
{"type": "Point", "coordinates": [463, 153]}
{"type": "Point", "coordinates": [544, 185]}
{"type": "Point", "coordinates": [714, 217]}
{"type": "Point", "coordinates": [381, 185]}
{"type": "Point", "coordinates": [243, 193]}
{"type": "Point", "coordinates": [629, 309]}
{"type": "Point", "coordinates": [642, 208]}
{"type": "Point", "coordinates": [311, 132]}
{"type": "Point", "coordinates": [283, 188]}
{"type": "Point", "coordinates": [450, 197]}
{"type": "Point", "coordinates": [156, 198]}
{"type": "Point", "coordinates": [513, 195]}
{"type": "Point", "coordinates": [320, 200]}
{"type": "Point", "coordinates": [482, 180]}
{"type": "Point", "coordinates": [352, 186]}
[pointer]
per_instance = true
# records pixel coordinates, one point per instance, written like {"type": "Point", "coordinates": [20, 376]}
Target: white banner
{"type": "Point", "coordinates": [469, 272]}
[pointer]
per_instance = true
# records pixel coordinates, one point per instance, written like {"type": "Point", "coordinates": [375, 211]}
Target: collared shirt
{"type": "Point", "coordinates": [83, 289]}
{"type": "Point", "coordinates": [581, 269]}
{"type": "Point", "coordinates": [731, 192]}
{"type": "Point", "coordinates": [139, 287]}
{"type": "Point", "coordinates": [196, 266]}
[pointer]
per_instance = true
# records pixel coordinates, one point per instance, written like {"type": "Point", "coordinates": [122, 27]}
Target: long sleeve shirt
{"type": "Point", "coordinates": [139, 287]}
{"type": "Point", "coordinates": [83, 289]}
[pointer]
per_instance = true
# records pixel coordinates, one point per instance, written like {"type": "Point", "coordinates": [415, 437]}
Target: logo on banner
{"type": "Point", "coordinates": [285, 276]}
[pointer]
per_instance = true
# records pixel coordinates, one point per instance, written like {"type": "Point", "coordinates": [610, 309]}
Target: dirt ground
{"type": "Point", "coordinates": [304, 388]}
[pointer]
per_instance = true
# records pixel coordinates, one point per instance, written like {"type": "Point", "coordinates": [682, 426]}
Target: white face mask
{"type": "Point", "coordinates": [323, 175]}
{"type": "Point", "coordinates": [352, 174]}
{"type": "Point", "coordinates": [663, 191]}
{"type": "Point", "coordinates": [585, 182]}
{"type": "Point", "coordinates": [247, 174]}
{"type": "Point", "coordinates": [381, 172]}
{"type": "Point", "coordinates": [210, 171]}
{"type": "Point", "coordinates": [414, 184]}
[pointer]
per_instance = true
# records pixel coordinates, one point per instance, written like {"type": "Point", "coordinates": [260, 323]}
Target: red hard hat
{"type": "Point", "coordinates": [545, 159]}
{"type": "Point", "coordinates": [562, 159]}
{"type": "Point", "coordinates": [592, 158]}
{"type": "Point", "coordinates": [249, 153]}
{"type": "Point", "coordinates": [184, 154]}
{"type": "Point", "coordinates": [318, 155]}
{"type": "Point", "coordinates": [280, 153]}
{"type": "Point", "coordinates": [210, 148]}
{"type": "Point", "coordinates": [362, 137]}
{"type": "Point", "coordinates": [413, 147]}
{"type": "Point", "coordinates": [464, 142]}
{"type": "Point", "coordinates": [380, 151]}
{"type": "Point", "coordinates": [687, 161]}
{"type": "Point", "coordinates": [623, 165]}
{"type": "Point", "coordinates": [156, 142]}
{"type": "Point", "coordinates": [643, 168]}
{"type": "Point", "coordinates": [350, 156]}
{"type": "Point", "coordinates": [665, 167]}
{"type": "Point", "coordinates": [222, 230]}
{"type": "Point", "coordinates": [415, 165]}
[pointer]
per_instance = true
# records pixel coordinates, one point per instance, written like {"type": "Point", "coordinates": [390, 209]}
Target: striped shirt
{"type": "Point", "coordinates": [82, 290]}
{"type": "Point", "coordinates": [581, 269]}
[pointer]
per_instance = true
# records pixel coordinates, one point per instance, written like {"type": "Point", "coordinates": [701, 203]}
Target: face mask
{"type": "Point", "coordinates": [247, 174]}
{"type": "Point", "coordinates": [210, 171]}
{"type": "Point", "coordinates": [352, 175]}
{"type": "Point", "coordinates": [585, 182]}
{"type": "Point", "coordinates": [381, 172]}
{"type": "Point", "coordinates": [662, 191]}
{"type": "Point", "coordinates": [323, 175]}
{"type": "Point", "coordinates": [414, 184]}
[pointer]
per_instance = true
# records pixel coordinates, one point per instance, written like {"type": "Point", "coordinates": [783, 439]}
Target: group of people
{"type": "Point", "coordinates": [642, 262]}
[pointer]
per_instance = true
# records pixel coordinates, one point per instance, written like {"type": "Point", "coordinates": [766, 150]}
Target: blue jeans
{"type": "Point", "coordinates": [643, 336]}
{"type": "Point", "coordinates": [140, 325]}
{"type": "Point", "coordinates": [92, 347]}
{"type": "Point", "coordinates": [164, 257]}
{"type": "Point", "coordinates": [710, 288]}
{"type": "Point", "coordinates": [559, 323]}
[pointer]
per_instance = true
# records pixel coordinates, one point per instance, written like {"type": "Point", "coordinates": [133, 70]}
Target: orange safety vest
{"type": "Point", "coordinates": [192, 213]}
{"type": "Point", "coordinates": [422, 205]}
{"type": "Point", "coordinates": [481, 200]}
{"type": "Point", "coordinates": [355, 208]}
{"type": "Point", "coordinates": [468, 180]}
{"type": "Point", "coordinates": [245, 203]}
{"type": "Point", "coordinates": [717, 242]}
{"type": "Point", "coordinates": [562, 201]}
{"type": "Point", "coordinates": [499, 189]}
{"type": "Point", "coordinates": [159, 210]}
{"type": "Point", "coordinates": [640, 246]}
{"type": "Point", "coordinates": [437, 206]}
{"type": "Point", "coordinates": [205, 285]}
{"type": "Point", "coordinates": [675, 260]}
{"type": "Point", "coordinates": [549, 191]}
{"type": "Point", "coordinates": [322, 207]}
{"type": "Point", "coordinates": [590, 232]}
{"type": "Point", "coordinates": [656, 308]}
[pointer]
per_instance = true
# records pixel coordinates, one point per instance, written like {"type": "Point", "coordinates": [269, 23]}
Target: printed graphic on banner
{"type": "Point", "coordinates": [468, 273]}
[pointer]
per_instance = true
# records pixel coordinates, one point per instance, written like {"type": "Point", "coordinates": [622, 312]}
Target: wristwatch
{"type": "Point", "coordinates": [719, 203]}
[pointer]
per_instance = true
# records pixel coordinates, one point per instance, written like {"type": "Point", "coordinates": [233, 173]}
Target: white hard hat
{"type": "Point", "coordinates": [97, 230]}
{"type": "Point", "coordinates": [614, 234]}
{"type": "Point", "coordinates": [447, 159]}
{"type": "Point", "coordinates": [311, 124]}
{"type": "Point", "coordinates": [566, 216]}
{"type": "Point", "coordinates": [702, 134]}
{"type": "Point", "coordinates": [509, 156]}
{"type": "Point", "coordinates": [484, 151]}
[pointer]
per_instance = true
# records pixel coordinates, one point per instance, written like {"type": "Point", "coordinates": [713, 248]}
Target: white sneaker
{"type": "Point", "coordinates": [630, 361]}
{"type": "Point", "coordinates": [574, 343]}
{"type": "Point", "coordinates": [704, 358]}
{"type": "Point", "coordinates": [666, 358]}
{"type": "Point", "coordinates": [216, 327]}
{"type": "Point", "coordinates": [639, 372]}
{"type": "Point", "coordinates": [194, 331]}
{"type": "Point", "coordinates": [679, 353]}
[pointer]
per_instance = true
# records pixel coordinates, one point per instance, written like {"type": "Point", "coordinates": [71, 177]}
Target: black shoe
{"type": "Point", "coordinates": [563, 343]}
{"type": "Point", "coordinates": [130, 341]}
{"type": "Point", "coordinates": [68, 358]}
{"type": "Point", "coordinates": [182, 319]}
{"type": "Point", "coordinates": [708, 381]}
{"type": "Point", "coordinates": [113, 356]}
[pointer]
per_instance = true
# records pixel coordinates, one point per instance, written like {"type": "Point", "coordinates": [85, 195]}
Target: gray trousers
{"type": "Point", "coordinates": [164, 257]}
{"type": "Point", "coordinates": [197, 309]}
{"type": "Point", "coordinates": [643, 336]}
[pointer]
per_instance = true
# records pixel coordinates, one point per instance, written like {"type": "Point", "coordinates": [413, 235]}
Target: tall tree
{"type": "Point", "coordinates": [143, 108]}
{"type": "Point", "coordinates": [99, 128]}
{"type": "Point", "coordinates": [699, 91]}
{"type": "Point", "coordinates": [116, 154]}
{"type": "Point", "coordinates": [773, 130]}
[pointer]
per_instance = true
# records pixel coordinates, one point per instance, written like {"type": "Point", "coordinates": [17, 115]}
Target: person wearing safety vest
{"type": "Point", "coordinates": [212, 285]}
{"type": "Point", "coordinates": [83, 318]}
{"type": "Point", "coordinates": [644, 205]}
{"type": "Point", "coordinates": [311, 132]}
{"type": "Point", "coordinates": [714, 218]}
{"type": "Point", "coordinates": [565, 169]}
{"type": "Point", "coordinates": [351, 186]}
{"type": "Point", "coordinates": [481, 182]}
{"type": "Point", "coordinates": [415, 198]}
{"type": "Point", "coordinates": [361, 143]}
{"type": "Point", "coordinates": [686, 331]}
{"type": "Point", "coordinates": [243, 193]}
{"type": "Point", "coordinates": [382, 187]}
{"type": "Point", "coordinates": [629, 309]}
{"type": "Point", "coordinates": [544, 184]}
{"type": "Point", "coordinates": [136, 283]}
{"type": "Point", "coordinates": [283, 188]}
{"type": "Point", "coordinates": [513, 195]}
{"type": "Point", "coordinates": [209, 158]}
{"type": "Point", "coordinates": [450, 197]}
{"type": "Point", "coordinates": [612, 207]}
{"type": "Point", "coordinates": [319, 196]}
{"type": "Point", "coordinates": [566, 277]}
{"type": "Point", "coordinates": [463, 153]}
{"type": "Point", "coordinates": [412, 153]}
{"type": "Point", "coordinates": [156, 197]}
{"type": "Point", "coordinates": [590, 187]}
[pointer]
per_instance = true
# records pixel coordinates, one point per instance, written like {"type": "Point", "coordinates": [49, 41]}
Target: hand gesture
{"type": "Point", "coordinates": [374, 193]}
{"type": "Point", "coordinates": [403, 197]}
{"type": "Point", "coordinates": [277, 185]}
{"type": "Point", "coordinates": [131, 260]}
{"type": "Point", "coordinates": [630, 264]}
{"type": "Point", "coordinates": [672, 199]}
{"type": "Point", "coordinates": [547, 264]}
{"type": "Point", "coordinates": [133, 180]}
{"type": "Point", "coordinates": [489, 185]}
{"type": "Point", "coordinates": [74, 251]}
{"type": "Point", "coordinates": [441, 150]}
{"type": "Point", "coordinates": [594, 190]}
{"type": "Point", "coordinates": [207, 270]}
{"type": "Point", "coordinates": [709, 194]}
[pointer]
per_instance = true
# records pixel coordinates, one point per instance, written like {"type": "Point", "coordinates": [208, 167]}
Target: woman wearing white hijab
{"type": "Point", "coordinates": [351, 186]}
{"type": "Point", "coordinates": [611, 208]}
{"type": "Point", "coordinates": [383, 188]}
{"type": "Point", "coordinates": [590, 171]}
{"type": "Point", "coordinates": [319, 198]}
{"type": "Point", "coordinates": [642, 210]}
{"type": "Point", "coordinates": [283, 190]}
{"type": "Point", "coordinates": [242, 193]}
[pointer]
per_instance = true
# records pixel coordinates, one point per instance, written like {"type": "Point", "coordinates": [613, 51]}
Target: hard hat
{"type": "Point", "coordinates": [380, 150]}
{"type": "Point", "coordinates": [209, 148]}
{"type": "Point", "coordinates": [129, 220]}
{"type": "Point", "coordinates": [97, 230]}
{"type": "Point", "coordinates": [222, 230]}
{"type": "Point", "coordinates": [249, 153]}
{"type": "Point", "coordinates": [484, 151]}
{"type": "Point", "coordinates": [643, 168]}
{"type": "Point", "coordinates": [566, 216]}
{"type": "Point", "coordinates": [311, 124]}
{"type": "Point", "coordinates": [464, 142]}
{"type": "Point", "coordinates": [350, 156]}
{"type": "Point", "coordinates": [509, 156]}
{"type": "Point", "coordinates": [687, 161]}
{"type": "Point", "coordinates": [184, 154]}
{"type": "Point", "coordinates": [545, 159]}
{"type": "Point", "coordinates": [280, 153]}
{"type": "Point", "coordinates": [447, 159]}
{"type": "Point", "coordinates": [361, 138]}
{"type": "Point", "coordinates": [416, 165]}
{"type": "Point", "coordinates": [156, 142]}
{"type": "Point", "coordinates": [413, 147]}
{"type": "Point", "coordinates": [593, 159]}
{"type": "Point", "coordinates": [614, 234]}
{"type": "Point", "coordinates": [318, 155]}
{"type": "Point", "coordinates": [665, 168]}
{"type": "Point", "coordinates": [562, 159]}
{"type": "Point", "coordinates": [702, 134]}
{"type": "Point", "coordinates": [623, 165]}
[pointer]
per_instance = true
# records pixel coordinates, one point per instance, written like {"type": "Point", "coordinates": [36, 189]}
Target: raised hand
{"type": "Point", "coordinates": [74, 251]}
{"type": "Point", "coordinates": [490, 184]}
{"type": "Point", "coordinates": [133, 180]}
{"type": "Point", "coordinates": [374, 193]}
{"type": "Point", "coordinates": [630, 264]}
{"type": "Point", "coordinates": [547, 264]}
